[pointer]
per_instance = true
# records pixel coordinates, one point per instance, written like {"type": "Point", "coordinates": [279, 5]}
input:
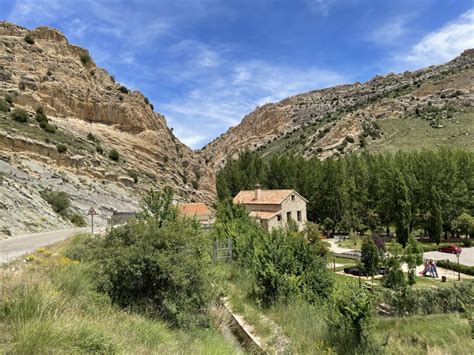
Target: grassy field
{"type": "Point", "coordinates": [306, 325]}
{"type": "Point", "coordinates": [49, 305]}
{"type": "Point", "coordinates": [412, 134]}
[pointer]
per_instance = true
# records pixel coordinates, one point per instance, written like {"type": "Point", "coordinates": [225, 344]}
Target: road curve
{"type": "Point", "coordinates": [18, 246]}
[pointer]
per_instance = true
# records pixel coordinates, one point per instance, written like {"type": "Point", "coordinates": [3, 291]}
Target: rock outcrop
{"type": "Point", "coordinates": [94, 114]}
{"type": "Point", "coordinates": [334, 120]}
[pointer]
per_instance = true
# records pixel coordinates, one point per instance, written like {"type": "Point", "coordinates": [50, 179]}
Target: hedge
{"type": "Point", "coordinates": [464, 269]}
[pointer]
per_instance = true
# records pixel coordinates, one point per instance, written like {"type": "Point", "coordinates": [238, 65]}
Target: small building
{"type": "Point", "coordinates": [198, 210]}
{"type": "Point", "coordinates": [273, 208]}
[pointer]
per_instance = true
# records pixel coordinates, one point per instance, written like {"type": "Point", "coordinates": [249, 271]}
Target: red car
{"type": "Point", "coordinates": [452, 249]}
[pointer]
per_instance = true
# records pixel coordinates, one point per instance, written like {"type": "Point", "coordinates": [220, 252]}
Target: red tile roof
{"type": "Point", "coordinates": [194, 209]}
{"type": "Point", "coordinates": [267, 197]}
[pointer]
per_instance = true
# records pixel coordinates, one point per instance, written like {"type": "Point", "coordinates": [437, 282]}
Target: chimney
{"type": "Point", "coordinates": [258, 192]}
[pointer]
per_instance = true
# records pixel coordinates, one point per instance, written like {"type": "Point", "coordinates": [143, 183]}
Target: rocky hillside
{"type": "Point", "coordinates": [434, 105]}
{"type": "Point", "coordinates": [89, 115]}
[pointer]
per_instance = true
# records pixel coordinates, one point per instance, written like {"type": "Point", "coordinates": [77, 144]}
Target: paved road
{"type": "Point", "coordinates": [466, 257]}
{"type": "Point", "coordinates": [18, 246]}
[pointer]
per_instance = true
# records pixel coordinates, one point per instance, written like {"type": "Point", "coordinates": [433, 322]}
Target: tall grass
{"type": "Point", "coordinates": [50, 305]}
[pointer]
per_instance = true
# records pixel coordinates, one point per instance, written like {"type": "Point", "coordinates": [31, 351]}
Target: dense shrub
{"type": "Point", "coordinates": [464, 269]}
{"type": "Point", "coordinates": [165, 270]}
{"type": "Point", "coordinates": [4, 106]}
{"type": "Point", "coordinates": [288, 267]}
{"type": "Point", "coordinates": [20, 115]}
{"type": "Point", "coordinates": [124, 89]}
{"type": "Point", "coordinates": [9, 99]}
{"type": "Point", "coordinates": [410, 301]}
{"type": "Point", "coordinates": [61, 148]}
{"type": "Point", "coordinates": [48, 127]}
{"type": "Point", "coordinates": [85, 58]}
{"type": "Point", "coordinates": [91, 137]}
{"type": "Point", "coordinates": [352, 320]}
{"type": "Point", "coordinates": [99, 149]}
{"type": "Point", "coordinates": [29, 39]}
{"type": "Point", "coordinates": [114, 155]}
{"type": "Point", "coordinates": [77, 219]}
{"type": "Point", "coordinates": [59, 201]}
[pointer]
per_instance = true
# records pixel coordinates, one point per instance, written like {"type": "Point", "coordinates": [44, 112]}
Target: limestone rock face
{"type": "Point", "coordinates": [82, 99]}
{"type": "Point", "coordinates": [318, 122]}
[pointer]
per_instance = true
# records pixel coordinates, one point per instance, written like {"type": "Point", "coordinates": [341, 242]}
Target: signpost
{"type": "Point", "coordinates": [91, 213]}
{"type": "Point", "coordinates": [459, 274]}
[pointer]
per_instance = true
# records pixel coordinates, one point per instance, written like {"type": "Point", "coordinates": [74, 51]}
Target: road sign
{"type": "Point", "coordinates": [91, 212]}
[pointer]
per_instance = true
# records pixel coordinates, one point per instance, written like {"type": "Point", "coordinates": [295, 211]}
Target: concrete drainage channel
{"type": "Point", "coordinates": [247, 341]}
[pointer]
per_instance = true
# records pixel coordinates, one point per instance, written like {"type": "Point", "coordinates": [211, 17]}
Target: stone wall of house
{"type": "Point", "coordinates": [292, 204]}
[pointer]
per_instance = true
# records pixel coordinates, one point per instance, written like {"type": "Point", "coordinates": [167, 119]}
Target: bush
{"type": "Point", "coordinates": [77, 219]}
{"type": "Point", "coordinates": [114, 155]}
{"type": "Point", "coordinates": [59, 201]}
{"type": "Point", "coordinates": [40, 116]}
{"type": "Point", "coordinates": [61, 148]}
{"type": "Point", "coordinates": [467, 243]}
{"type": "Point", "coordinates": [351, 320]}
{"type": "Point", "coordinates": [287, 267]}
{"type": "Point", "coordinates": [464, 269]}
{"type": "Point", "coordinates": [124, 89]}
{"type": "Point", "coordinates": [410, 301]}
{"type": "Point", "coordinates": [99, 149]}
{"type": "Point", "coordinates": [20, 115]}
{"type": "Point", "coordinates": [9, 99]}
{"type": "Point", "coordinates": [29, 39]}
{"type": "Point", "coordinates": [91, 137]}
{"type": "Point", "coordinates": [4, 106]}
{"type": "Point", "coordinates": [165, 270]}
{"type": "Point", "coordinates": [48, 127]}
{"type": "Point", "coordinates": [85, 58]}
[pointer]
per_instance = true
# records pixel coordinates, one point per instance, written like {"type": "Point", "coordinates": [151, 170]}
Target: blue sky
{"type": "Point", "coordinates": [204, 64]}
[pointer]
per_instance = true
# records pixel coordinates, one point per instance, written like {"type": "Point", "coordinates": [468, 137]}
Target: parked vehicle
{"type": "Point", "coordinates": [452, 249]}
{"type": "Point", "coordinates": [354, 271]}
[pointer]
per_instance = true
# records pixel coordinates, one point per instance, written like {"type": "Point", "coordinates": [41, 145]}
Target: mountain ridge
{"type": "Point", "coordinates": [346, 110]}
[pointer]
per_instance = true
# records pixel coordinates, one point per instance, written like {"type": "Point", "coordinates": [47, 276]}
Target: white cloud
{"type": "Point", "coordinates": [390, 32]}
{"type": "Point", "coordinates": [227, 93]}
{"type": "Point", "coordinates": [320, 7]}
{"type": "Point", "coordinates": [443, 44]}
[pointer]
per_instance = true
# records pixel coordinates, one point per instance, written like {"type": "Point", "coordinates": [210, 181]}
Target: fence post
{"type": "Point", "coordinates": [229, 245]}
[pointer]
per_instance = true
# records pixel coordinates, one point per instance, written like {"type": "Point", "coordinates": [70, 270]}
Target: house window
{"type": "Point", "coordinates": [292, 197]}
{"type": "Point", "coordinates": [288, 216]}
{"type": "Point", "coordinates": [298, 216]}
{"type": "Point", "coordinates": [279, 218]}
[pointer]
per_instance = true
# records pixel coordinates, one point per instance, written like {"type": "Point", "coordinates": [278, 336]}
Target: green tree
{"type": "Point", "coordinates": [352, 319]}
{"type": "Point", "coordinates": [393, 277]}
{"type": "Point", "coordinates": [401, 208]}
{"type": "Point", "coordinates": [4, 106]}
{"type": "Point", "coordinates": [370, 257]}
{"type": "Point", "coordinates": [413, 256]}
{"type": "Point", "coordinates": [328, 225]}
{"type": "Point", "coordinates": [435, 221]}
{"type": "Point", "coordinates": [464, 224]}
{"type": "Point", "coordinates": [159, 206]}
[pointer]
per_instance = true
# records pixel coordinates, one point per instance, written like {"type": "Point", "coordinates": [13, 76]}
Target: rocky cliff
{"type": "Point", "coordinates": [346, 118]}
{"type": "Point", "coordinates": [93, 114]}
